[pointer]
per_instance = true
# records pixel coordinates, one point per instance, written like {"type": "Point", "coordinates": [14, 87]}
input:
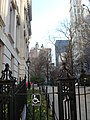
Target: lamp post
{"type": "Point", "coordinates": [28, 65]}
{"type": "Point", "coordinates": [86, 7]}
{"type": "Point", "coordinates": [86, 13]}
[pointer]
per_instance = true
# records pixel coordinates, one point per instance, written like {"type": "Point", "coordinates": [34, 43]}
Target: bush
{"type": "Point", "coordinates": [37, 109]}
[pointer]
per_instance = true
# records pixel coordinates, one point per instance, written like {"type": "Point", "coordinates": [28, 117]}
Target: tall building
{"type": "Point", "coordinates": [80, 31]}
{"type": "Point", "coordinates": [60, 50]}
{"type": "Point", "coordinates": [40, 62]}
{"type": "Point", "coordinates": [35, 53]}
{"type": "Point", "coordinates": [15, 32]}
{"type": "Point", "coordinates": [46, 52]}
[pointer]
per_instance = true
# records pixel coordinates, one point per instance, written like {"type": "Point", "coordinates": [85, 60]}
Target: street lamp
{"type": "Point", "coordinates": [86, 7]}
{"type": "Point", "coordinates": [28, 65]}
{"type": "Point", "coordinates": [86, 13]}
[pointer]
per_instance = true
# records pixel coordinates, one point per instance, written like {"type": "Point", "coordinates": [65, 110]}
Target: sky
{"type": "Point", "coordinates": [46, 14]}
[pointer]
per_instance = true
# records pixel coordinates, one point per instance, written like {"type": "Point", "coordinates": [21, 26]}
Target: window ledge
{"type": "Point", "coordinates": [2, 23]}
{"type": "Point", "coordinates": [14, 4]}
{"type": "Point", "coordinates": [11, 38]}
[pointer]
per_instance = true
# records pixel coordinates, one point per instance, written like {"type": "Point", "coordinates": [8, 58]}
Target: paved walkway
{"type": "Point", "coordinates": [24, 113]}
{"type": "Point", "coordinates": [82, 102]}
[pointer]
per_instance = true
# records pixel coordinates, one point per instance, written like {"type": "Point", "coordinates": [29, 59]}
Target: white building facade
{"type": "Point", "coordinates": [80, 27]}
{"type": "Point", "coordinates": [15, 32]}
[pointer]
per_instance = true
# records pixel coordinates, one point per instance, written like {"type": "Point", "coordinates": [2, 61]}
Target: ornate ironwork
{"type": "Point", "coordinates": [11, 95]}
{"type": "Point", "coordinates": [6, 73]}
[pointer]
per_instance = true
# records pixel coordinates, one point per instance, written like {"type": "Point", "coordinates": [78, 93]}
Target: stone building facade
{"type": "Point", "coordinates": [80, 33]}
{"type": "Point", "coordinates": [15, 33]}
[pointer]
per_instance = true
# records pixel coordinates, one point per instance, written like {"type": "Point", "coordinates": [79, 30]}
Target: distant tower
{"type": "Point", "coordinates": [42, 46]}
{"type": "Point", "coordinates": [60, 49]}
{"type": "Point", "coordinates": [37, 45]}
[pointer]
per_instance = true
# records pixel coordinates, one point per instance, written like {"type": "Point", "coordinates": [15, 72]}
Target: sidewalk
{"type": "Point", "coordinates": [24, 113]}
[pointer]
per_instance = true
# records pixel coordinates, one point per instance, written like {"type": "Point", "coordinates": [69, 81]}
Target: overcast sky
{"type": "Point", "coordinates": [45, 16]}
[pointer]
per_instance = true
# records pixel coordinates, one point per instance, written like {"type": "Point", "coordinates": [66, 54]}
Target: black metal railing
{"type": "Point", "coordinates": [66, 100]}
{"type": "Point", "coordinates": [83, 100]}
{"type": "Point", "coordinates": [20, 97]}
{"type": "Point", "coordinates": [12, 97]}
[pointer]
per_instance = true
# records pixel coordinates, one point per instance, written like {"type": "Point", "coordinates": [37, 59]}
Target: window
{"type": "Point", "coordinates": [12, 23]}
{"type": "Point", "coordinates": [0, 58]}
{"type": "Point", "coordinates": [2, 12]}
{"type": "Point", "coordinates": [12, 65]}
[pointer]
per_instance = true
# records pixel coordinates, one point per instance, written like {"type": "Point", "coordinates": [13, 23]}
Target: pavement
{"type": "Point", "coordinates": [24, 113]}
{"type": "Point", "coordinates": [85, 110]}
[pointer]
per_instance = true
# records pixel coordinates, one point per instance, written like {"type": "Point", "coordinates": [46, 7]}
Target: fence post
{"type": "Point", "coordinates": [12, 104]}
{"type": "Point", "coordinates": [72, 99]}
{"type": "Point", "coordinates": [10, 95]}
{"type": "Point", "coordinates": [33, 106]}
{"type": "Point", "coordinates": [60, 101]}
{"type": "Point", "coordinates": [53, 111]}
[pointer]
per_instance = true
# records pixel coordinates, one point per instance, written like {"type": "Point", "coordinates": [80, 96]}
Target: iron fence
{"type": "Point", "coordinates": [12, 99]}
{"type": "Point", "coordinates": [67, 100]}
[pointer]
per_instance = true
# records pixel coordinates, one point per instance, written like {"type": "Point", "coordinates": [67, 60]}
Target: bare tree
{"type": "Point", "coordinates": [40, 66]}
{"type": "Point", "coordinates": [78, 55]}
{"type": "Point", "coordinates": [64, 29]}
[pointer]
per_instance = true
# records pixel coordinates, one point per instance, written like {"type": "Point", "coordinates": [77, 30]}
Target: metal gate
{"type": "Point", "coordinates": [64, 100]}
{"type": "Point", "coordinates": [60, 101]}
{"type": "Point", "coordinates": [67, 99]}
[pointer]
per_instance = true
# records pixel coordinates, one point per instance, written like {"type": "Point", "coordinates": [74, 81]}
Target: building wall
{"type": "Point", "coordinates": [41, 61]}
{"type": "Point", "coordinates": [60, 49]}
{"type": "Point", "coordinates": [79, 25]}
{"type": "Point", "coordinates": [35, 53]}
{"type": "Point", "coordinates": [14, 46]}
